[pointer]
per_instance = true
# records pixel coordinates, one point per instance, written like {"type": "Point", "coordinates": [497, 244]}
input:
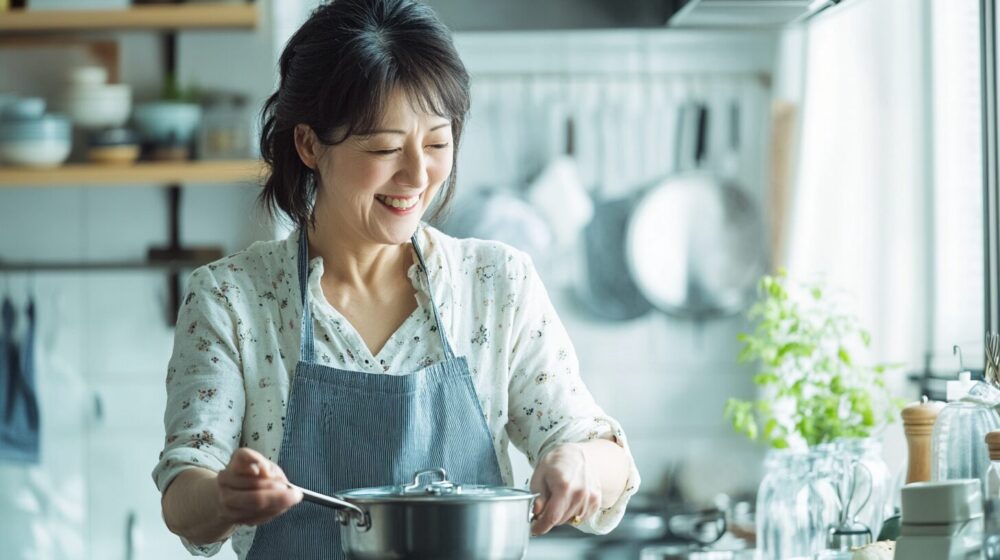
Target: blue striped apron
{"type": "Point", "coordinates": [352, 429]}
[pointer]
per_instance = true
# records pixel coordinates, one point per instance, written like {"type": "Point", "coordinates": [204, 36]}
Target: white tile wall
{"type": "Point", "coordinates": [103, 334]}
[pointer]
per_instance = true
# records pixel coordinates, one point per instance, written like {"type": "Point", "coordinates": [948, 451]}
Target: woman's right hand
{"type": "Point", "coordinates": [253, 490]}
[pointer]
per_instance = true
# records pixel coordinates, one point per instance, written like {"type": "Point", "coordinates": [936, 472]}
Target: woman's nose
{"type": "Point", "coordinates": [413, 172]}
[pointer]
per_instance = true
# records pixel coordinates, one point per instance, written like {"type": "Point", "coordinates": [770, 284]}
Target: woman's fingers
{"type": "Point", "coordinates": [253, 490]}
{"type": "Point", "coordinates": [257, 506]}
{"type": "Point", "coordinates": [570, 491]}
{"type": "Point", "coordinates": [553, 512]}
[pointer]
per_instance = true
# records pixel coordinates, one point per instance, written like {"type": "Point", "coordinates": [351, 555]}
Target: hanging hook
{"type": "Point", "coordinates": [570, 134]}
{"type": "Point", "coordinates": [956, 350]}
{"type": "Point", "coordinates": [31, 284]}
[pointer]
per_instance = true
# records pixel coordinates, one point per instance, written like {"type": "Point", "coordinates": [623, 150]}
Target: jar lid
{"type": "Point", "coordinates": [440, 490]}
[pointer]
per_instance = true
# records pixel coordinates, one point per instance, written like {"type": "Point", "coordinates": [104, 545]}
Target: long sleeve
{"type": "Point", "coordinates": [549, 403]}
{"type": "Point", "coordinates": [205, 391]}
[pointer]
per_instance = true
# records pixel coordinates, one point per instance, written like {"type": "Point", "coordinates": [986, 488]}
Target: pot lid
{"type": "Point", "coordinates": [433, 486]}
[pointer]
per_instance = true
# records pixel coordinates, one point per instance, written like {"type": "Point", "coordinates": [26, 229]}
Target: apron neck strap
{"type": "Point", "coordinates": [448, 353]}
{"type": "Point", "coordinates": [306, 345]}
{"type": "Point", "coordinates": [306, 349]}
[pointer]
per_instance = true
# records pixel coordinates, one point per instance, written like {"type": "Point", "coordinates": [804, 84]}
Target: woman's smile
{"type": "Point", "coordinates": [400, 205]}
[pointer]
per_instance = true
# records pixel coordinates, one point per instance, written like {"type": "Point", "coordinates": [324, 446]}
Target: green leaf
{"type": "Point", "coordinates": [765, 378]}
{"type": "Point", "coordinates": [844, 356]}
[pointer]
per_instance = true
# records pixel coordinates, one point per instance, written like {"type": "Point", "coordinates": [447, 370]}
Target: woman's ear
{"type": "Point", "coordinates": [307, 145]}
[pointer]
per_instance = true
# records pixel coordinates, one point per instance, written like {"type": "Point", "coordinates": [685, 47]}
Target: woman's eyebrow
{"type": "Point", "coordinates": [395, 131]}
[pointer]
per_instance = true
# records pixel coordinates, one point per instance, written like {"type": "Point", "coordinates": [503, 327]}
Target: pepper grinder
{"type": "Point", "coordinates": [918, 424]}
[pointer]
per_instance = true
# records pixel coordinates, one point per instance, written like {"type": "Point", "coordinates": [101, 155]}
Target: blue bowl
{"type": "Point", "coordinates": [23, 108]}
{"type": "Point", "coordinates": [167, 122]}
{"type": "Point", "coordinates": [47, 127]}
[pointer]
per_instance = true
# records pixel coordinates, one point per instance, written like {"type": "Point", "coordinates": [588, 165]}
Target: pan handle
{"type": "Point", "coordinates": [344, 507]}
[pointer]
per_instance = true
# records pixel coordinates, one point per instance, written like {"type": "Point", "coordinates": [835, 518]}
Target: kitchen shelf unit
{"type": "Point", "coordinates": [18, 27]}
{"type": "Point", "coordinates": [142, 173]}
{"type": "Point", "coordinates": [152, 17]}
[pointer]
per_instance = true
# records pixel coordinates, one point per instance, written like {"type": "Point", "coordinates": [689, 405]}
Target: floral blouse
{"type": "Point", "coordinates": [237, 345]}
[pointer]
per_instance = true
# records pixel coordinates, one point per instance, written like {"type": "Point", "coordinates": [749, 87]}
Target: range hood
{"type": "Point", "coordinates": [544, 15]}
{"type": "Point", "coordinates": [745, 14]}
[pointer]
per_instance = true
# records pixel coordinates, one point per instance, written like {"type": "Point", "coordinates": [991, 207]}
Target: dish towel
{"type": "Point", "coordinates": [19, 417]}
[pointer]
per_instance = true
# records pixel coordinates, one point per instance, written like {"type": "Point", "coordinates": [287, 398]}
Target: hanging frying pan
{"type": "Point", "coordinates": [694, 243]}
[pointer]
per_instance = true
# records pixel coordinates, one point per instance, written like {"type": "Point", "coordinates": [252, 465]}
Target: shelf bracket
{"type": "Point", "coordinates": [175, 252]}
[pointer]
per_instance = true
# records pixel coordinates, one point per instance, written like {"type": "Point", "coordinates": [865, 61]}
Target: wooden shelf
{"type": "Point", "coordinates": [144, 173]}
{"type": "Point", "coordinates": [167, 16]}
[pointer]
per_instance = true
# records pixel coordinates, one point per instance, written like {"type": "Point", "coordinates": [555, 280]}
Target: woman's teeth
{"type": "Point", "coordinates": [401, 203]}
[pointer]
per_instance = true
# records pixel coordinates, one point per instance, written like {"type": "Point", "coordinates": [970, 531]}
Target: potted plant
{"type": "Point", "coordinates": [818, 408]}
{"type": "Point", "coordinates": [813, 388]}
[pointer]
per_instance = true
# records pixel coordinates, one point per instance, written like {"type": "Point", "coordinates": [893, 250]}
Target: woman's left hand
{"type": "Point", "coordinates": [569, 488]}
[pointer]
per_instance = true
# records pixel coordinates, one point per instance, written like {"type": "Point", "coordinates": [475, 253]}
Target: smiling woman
{"type": "Point", "coordinates": [368, 345]}
{"type": "Point", "coordinates": [388, 54]}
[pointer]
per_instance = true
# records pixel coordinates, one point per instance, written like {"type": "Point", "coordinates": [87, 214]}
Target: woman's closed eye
{"type": "Point", "coordinates": [390, 151]}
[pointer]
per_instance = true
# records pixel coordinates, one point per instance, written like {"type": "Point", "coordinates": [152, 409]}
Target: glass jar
{"type": "Point", "coordinates": [225, 128]}
{"type": "Point", "coordinates": [957, 449]}
{"type": "Point", "coordinates": [796, 503]}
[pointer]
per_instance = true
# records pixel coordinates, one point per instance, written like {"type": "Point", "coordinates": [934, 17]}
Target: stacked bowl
{"type": "Point", "coordinates": [93, 103]}
{"type": "Point", "coordinates": [29, 136]}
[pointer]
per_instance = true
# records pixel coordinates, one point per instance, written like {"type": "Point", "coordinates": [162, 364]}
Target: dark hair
{"type": "Point", "coordinates": [339, 70]}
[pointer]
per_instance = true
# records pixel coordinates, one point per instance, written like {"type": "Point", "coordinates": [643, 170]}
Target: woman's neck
{"type": "Point", "coordinates": [349, 262]}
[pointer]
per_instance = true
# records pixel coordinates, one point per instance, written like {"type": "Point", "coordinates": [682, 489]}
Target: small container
{"type": "Point", "coordinates": [225, 128]}
{"type": "Point", "coordinates": [941, 520]}
{"type": "Point", "coordinates": [113, 146]}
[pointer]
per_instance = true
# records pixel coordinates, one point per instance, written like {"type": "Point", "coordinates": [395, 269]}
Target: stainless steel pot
{"type": "Point", "coordinates": [434, 518]}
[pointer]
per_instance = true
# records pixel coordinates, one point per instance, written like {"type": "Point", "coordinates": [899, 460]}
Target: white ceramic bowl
{"type": "Point", "coordinates": [167, 122]}
{"type": "Point", "coordinates": [49, 152]}
{"type": "Point", "coordinates": [106, 106]}
{"type": "Point", "coordinates": [88, 76]}
{"type": "Point", "coordinates": [99, 107]}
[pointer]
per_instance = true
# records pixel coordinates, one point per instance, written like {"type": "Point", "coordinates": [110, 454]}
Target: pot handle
{"type": "Point", "coordinates": [363, 520]}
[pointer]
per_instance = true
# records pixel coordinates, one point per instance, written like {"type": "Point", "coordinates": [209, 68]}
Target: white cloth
{"type": "Point", "coordinates": [237, 344]}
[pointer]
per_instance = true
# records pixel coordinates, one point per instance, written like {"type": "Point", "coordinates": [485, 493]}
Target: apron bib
{"type": "Point", "coordinates": [351, 429]}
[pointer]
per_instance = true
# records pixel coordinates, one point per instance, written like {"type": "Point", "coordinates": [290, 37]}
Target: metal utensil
{"type": "Point", "coordinates": [850, 532]}
{"type": "Point", "coordinates": [992, 374]}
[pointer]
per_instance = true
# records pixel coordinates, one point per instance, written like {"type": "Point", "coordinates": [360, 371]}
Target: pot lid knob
{"type": "Point", "coordinates": [434, 487]}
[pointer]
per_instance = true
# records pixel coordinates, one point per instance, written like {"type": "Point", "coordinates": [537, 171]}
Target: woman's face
{"type": "Point", "coordinates": [378, 186]}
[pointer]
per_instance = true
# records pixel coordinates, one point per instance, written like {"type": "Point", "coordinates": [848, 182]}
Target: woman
{"type": "Point", "coordinates": [369, 345]}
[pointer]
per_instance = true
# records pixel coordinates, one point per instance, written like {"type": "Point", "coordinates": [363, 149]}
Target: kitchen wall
{"type": "Point", "coordinates": [104, 343]}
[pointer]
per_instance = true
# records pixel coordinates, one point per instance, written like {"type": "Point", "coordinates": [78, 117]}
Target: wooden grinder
{"type": "Point", "coordinates": [918, 424]}
{"type": "Point", "coordinates": [993, 442]}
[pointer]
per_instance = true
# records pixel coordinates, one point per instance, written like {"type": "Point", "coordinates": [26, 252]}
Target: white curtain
{"type": "Point", "coordinates": [858, 219]}
{"type": "Point", "coordinates": [887, 195]}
